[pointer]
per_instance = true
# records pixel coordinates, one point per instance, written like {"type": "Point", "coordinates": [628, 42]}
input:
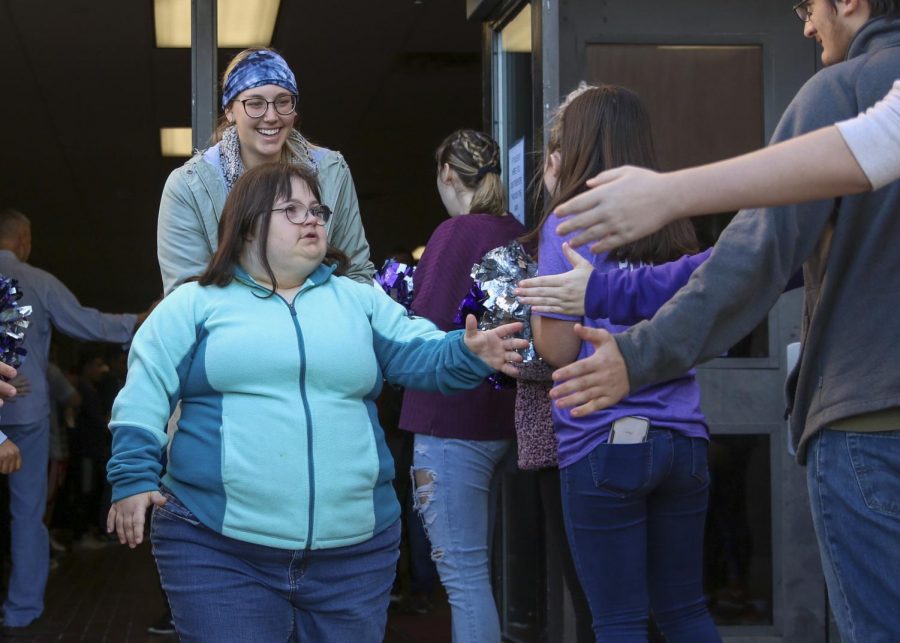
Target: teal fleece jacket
{"type": "Point", "coordinates": [278, 442]}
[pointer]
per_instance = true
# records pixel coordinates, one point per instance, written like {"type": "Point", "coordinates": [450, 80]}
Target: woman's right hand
{"type": "Point", "coordinates": [623, 205]}
{"type": "Point", "coordinates": [126, 516]}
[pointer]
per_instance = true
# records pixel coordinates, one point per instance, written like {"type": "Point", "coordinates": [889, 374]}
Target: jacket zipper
{"type": "Point", "coordinates": [308, 414]}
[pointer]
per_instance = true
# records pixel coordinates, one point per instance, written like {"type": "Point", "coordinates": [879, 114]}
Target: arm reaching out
{"type": "Point", "coordinates": [561, 293]}
{"type": "Point", "coordinates": [496, 347]}
{"type": "Point", "coordinates": [595, 382]}
{"type": "Point", "coordinates": [627, 203]}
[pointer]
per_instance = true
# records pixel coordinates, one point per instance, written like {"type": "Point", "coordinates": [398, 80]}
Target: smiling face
{"type": "Point", "coordinates": [295, 250]}
{"type": "Point", "coordinates": [261, 138]}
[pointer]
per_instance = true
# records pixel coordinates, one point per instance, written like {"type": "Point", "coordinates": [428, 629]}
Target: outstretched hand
{"type": "Point", "coordinates": [595, 382]}
{"type": "Point", "coordinates": [496, 347]}
{"type": "Point", "coordinates": [126, 516]}
{"type": "Point", "coordinates": [562, 293]}
{"type": "Point", "coordinates": [623, 205]}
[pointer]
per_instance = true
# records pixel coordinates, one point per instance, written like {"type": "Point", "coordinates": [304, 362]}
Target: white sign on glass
{"type": "Point", "coordinates": [517, 180]}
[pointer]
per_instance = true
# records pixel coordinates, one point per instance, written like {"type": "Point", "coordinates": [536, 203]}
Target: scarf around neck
{"type": "Point", "coordinates": [233, 166]}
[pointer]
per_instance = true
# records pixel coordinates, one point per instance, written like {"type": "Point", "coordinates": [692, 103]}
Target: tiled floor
{"type": "Point", "coordinates": [111, 595]}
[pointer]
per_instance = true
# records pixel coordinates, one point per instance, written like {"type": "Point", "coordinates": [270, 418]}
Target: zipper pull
{"type": "Point", "coordinates": [293, 310]}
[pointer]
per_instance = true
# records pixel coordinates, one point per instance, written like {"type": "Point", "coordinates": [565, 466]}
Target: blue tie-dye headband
{"type": "Point", "coordinates": [259, 68]}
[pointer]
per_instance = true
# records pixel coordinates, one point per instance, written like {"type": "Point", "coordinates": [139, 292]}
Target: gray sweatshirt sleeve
{"type": "Point", "coordinates": [753, 260]}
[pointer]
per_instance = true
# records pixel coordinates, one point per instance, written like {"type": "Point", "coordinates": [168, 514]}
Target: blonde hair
{"type": "Point", "coordinates": [292, 148]}
{"type": "Point", "coordinates": [475, 157]}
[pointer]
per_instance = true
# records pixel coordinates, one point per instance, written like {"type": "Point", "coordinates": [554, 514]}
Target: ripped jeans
{"type": "Point", "coordinates": [455, 484]}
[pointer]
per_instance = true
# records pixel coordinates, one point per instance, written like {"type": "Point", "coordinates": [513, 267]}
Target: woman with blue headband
{"type": "Point", "coordinates": [259, 102]}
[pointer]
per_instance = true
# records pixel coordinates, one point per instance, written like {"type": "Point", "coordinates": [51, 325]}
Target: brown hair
{"type": "Point", "coordinates": [246, 217]}
{"type": "Point", "coordinates": [475, 157]}
{"type": "Point", "coordinates": [602, 128]}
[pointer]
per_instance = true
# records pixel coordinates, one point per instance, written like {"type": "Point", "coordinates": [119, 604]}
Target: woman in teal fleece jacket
{"type": "Point", "coordinates": [277, 362]}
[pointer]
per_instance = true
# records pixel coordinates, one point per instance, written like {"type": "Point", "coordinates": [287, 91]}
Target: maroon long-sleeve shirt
{"type": "Point", "coordinates": [442, 280]}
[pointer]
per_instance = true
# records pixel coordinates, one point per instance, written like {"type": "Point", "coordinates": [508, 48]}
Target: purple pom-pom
{"type": "Point", "coordinates": [396, 279]}
{"type": "Point", "coordinates": [13, 322]}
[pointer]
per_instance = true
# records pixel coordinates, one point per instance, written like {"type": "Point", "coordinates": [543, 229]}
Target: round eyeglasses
{"type": "Point", "coordinates": [803, 10]}
{"type": "Point", "coordinates": [256, 107]}
{"type": "Point", "coordinates": [299, 214]}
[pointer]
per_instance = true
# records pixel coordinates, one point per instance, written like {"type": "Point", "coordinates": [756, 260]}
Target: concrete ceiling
{"type": "Point", "coordinates": [86, 92]}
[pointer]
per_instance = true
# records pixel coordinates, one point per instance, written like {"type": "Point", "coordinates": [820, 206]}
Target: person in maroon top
{"type": "Point", "coordinates": [461, 440]}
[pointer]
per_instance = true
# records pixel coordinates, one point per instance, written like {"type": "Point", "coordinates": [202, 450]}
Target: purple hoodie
{"type": "Point", "coordinates": [674, 404]}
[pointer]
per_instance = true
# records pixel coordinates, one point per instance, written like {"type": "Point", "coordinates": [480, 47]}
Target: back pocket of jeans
{"type": "Point", "coordinates": [874, 457]}
{"type": "Point", "coordinates": [622, 469]}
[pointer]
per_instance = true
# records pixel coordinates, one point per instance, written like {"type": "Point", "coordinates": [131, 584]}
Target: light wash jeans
{"type": "Point", "coordinates": [854, 492]}
{"type": "Point", "coordinates": [223, 590]}
{"type": "Point", "coordinates": [455, 484]}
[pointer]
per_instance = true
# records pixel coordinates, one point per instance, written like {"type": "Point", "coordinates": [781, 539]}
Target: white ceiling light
{"type": "Point", "coordinates": [175, 141]}
{"type": "Point", "coordinates": [241, 23]}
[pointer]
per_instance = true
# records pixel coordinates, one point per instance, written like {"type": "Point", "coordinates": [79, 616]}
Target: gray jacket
{"type": "Point", "coordinates": [848, 249]}
{"type": "Point", "coordinates": [192, 202]}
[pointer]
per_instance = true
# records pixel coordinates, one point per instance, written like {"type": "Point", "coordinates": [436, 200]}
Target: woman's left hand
{"type": "Point", "coordinates": [560, 294]}
{"type": "Point", "coordinates": [496, 347]}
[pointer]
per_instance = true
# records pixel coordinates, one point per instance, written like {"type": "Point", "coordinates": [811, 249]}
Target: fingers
{"type": "Point", "coordinates": [7, 371]}
{"type": "Point", "coordinates": [111, 519]}
{"type": "Point", "coordinates": [7, 389]}
{"type": "Point", "coordinates": [596, 336]}
{"type": "Point", "coordinates": [541, 282]}
{"type": "Point", "coordinates": [506, 330]}
{"type": "Point", "coordinates": [541, 299]}
{"type": "Point", "coordinates": [609, 242]}
{"type": "Point", "coordinates": [591, 407]}
{"type": "Point", "coordinates": [133, 524]}
{"type": "Point", "coordinates": [575, 257]}
{"type": "Point", "coordinates": [589, 232]}
{"type": "Point", "coordinates": [471, 324]}
{"type": "Point", "coordinates": [607, 177]}
{"type": "Point", "coordinates": [157, 498]}
{"type": "Point", "coordinates": [578, 204]}
{"type": "Point", "coordinates": [510, 369]}
{"type": "Point", "coordinates": [120, 526]}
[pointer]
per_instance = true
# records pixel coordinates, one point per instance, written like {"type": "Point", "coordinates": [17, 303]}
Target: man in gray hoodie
{"type": "Point", "coordinates": [844, 395]}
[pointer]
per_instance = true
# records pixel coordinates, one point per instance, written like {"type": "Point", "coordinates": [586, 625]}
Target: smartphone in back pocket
{"type": "Point", "coordinates": [631, 429]}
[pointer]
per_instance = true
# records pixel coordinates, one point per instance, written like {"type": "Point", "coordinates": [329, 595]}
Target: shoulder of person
{"type": "Point", "coordinates": [328, 160]}
{"type": "Point", "coordinates": [194, 167]}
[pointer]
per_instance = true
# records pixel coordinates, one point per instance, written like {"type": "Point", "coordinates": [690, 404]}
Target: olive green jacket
{"type": "Point", "coordinates": [192, 202]}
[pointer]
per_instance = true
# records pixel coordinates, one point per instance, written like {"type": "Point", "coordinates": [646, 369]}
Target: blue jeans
{"type": "Point", "coordinates": [29, 540]}
{"type": "Point", "coordinates": [635, 517]}
{"type": "Point", "coordinates": [222, 589]}
{"type": "Point", "coordinates": [854, 492]}
{"type": "Point", "coordinates": [455, 484]}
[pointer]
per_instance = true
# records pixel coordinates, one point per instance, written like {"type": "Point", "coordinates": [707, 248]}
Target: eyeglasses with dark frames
{"type": "Point", "coordinates": [256, 107]}
{"type": "Point", "coordinates": [299, 214]}
{"type": "Point", "coordinates": [803, 10]}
